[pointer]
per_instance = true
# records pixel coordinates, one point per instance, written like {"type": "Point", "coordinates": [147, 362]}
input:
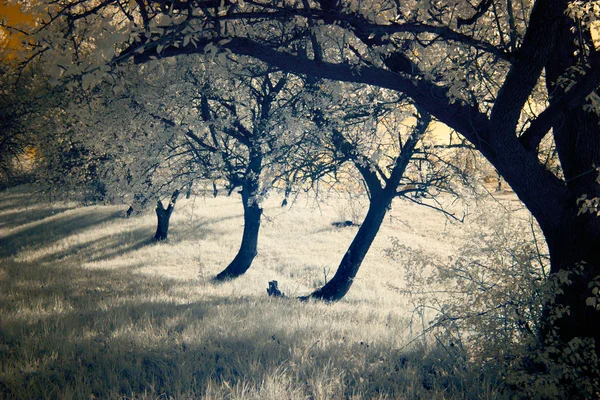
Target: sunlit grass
{"type": "Point", "coordinates": [90, 307]}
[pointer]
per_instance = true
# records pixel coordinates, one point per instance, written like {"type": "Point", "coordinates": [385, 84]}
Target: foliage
{"type": "Point", "coordinates": [15, 111]}
{"type": "Point", "coordinates": [488, 300]}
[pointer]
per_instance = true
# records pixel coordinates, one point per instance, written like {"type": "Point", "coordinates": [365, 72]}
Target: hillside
{"type": "Point", "coordinates": [90, 307]}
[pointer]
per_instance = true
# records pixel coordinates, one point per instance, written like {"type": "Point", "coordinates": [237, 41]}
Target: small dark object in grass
{"type": "Point", "coordinates": [343, 224]}
{"type": "Point", "coordinates": [273, 290]}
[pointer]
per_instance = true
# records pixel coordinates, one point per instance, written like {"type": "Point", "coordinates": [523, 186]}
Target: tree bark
{"type": "Point", "coordinates": [339, 285]}
{"type": "Point", "coordinates": [248, 248]}
{"type": "Point", "coordinates": [577, 133]}
{"type": "Point", "coordinates": [164, 215]}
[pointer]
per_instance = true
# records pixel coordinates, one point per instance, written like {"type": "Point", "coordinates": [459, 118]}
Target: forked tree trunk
{"type": "Point", "coordinates": [248, 248]}
{"type": "Point", "coordinates": [575, 245]}
{"type": "Point", "coordinates": [339, 285]}
{"type": "Point", "coordinates": [164, 215]}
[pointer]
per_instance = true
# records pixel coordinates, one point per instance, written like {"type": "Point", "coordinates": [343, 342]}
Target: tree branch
{"type": "Point", "coordinates": [459, 115]}
{"type": "Point", "coordinates": [537, 130]}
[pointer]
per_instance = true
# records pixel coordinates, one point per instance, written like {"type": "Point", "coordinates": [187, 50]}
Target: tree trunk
{"type": "Point", "coordinates": [339, 285]}
{"type": "Point", "coordinates": [577, 134]}
{"type": "Point", "coordinates": [252, 214]}
{"type": "Point", "coordinates": [248, 248]}
{"type": "Point", "coordinates": [164, 215]}
{"type": "Point", "coordinates": [575, 246]}
{"type": "Point", "coordinates": [576, 250]}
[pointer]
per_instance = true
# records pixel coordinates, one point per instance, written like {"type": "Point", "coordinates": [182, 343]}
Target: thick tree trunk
{"type": "Point", "coordinates": [164, 215]}
{"type": "Point", "coordinates": [576, 250]}
{"type": "Point", "coordinates": [248, 248]}
{"type": "Point", "coordinates": [577, 134]}
{"type": "Point", "coordinates": [339, 285]}
{"type": "Point", "coordinates": [575, 246]}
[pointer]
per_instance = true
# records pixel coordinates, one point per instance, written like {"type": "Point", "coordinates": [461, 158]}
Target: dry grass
{"type": "Point", "coordinates": [91, 308]}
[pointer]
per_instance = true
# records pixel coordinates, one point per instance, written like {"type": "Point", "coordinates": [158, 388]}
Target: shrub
{"type": "Point", "coordinates": [488, 300]}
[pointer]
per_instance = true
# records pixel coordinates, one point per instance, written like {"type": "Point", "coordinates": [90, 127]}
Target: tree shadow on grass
{"type": "Point", "coordinates": [53, 229]}
{"type": "Point", "coordinates": [75, 332]}
{"type": "Point", "coordinates": [101, 248]}
{"type": "Point", "coordinates": [16, 197]}
{"type": "Point", "coordinates": [14, 218]}
{"type": "Point", "coordinates": [43, 230]}
{"type": "Point", "coordinates": [209, 221]}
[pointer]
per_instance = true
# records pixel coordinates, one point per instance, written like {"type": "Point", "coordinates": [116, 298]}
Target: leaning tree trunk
{"type": "Point", "coordinates": [164, 215]}
{"type": "Point", "coordinates": [252, 214]}
{"type": "Point", "coordinates": [380, 201]}
{"type": "Point", "coordinates": [339, 285]}
{"type": "Point", "coordinates": [248, 248]}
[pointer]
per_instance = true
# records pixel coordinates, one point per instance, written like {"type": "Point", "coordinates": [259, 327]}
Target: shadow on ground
{"type": "Point", "coordinates": [14, 218]}
{"type": "Point", "coordinates": [52, 229]}
{"type": "Point", "coordinates": [72, 332]}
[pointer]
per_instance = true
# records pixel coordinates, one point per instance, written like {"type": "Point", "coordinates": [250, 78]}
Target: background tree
{"type": "Point", "coordinates": [24, 99]}
{"type": "Point", "coordinates": [382, 136]}
{"type": "Point", "coordinates": [235, 123]}
{"type": "Point", "coordinates": [249, 124]}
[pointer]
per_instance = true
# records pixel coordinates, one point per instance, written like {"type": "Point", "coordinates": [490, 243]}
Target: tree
{"type": "Point", "coordinates": [164, 214]}
{"type": "Point", "coordinates": [235, 123]}
{"type": "Point", "coordinates": [371, 129]}
{"type": "Point", "coordinates": [248, 123]}
{"type": "Point", "coordinates": [472, 68]}
{"type": "Point", "coordinates": [19, 108]}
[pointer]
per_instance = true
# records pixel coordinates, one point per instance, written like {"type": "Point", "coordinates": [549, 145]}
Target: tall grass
{"type": "Point", "coordinates": [91, 308]}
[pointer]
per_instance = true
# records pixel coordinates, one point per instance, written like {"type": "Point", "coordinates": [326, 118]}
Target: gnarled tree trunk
{"type": "Point", "coordinates": [577, 250]}
{"type": "Point", "coordinates": [575, 245]}
{"type": "Point", "coordinates": [164, 215]}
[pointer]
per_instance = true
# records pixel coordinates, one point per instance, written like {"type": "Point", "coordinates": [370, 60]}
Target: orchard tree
{"type": "Point", "coordinates": [12, 137]}
{"type": "Point", "coordinates": [24, 99]}
{"type": "Point", "coordinates": [472, 67]}
{"type": "Point", "coordinates": [382, 136]}
{"type": "Point", "coordinates": [247, 120]}
{"type": "Point", "coordinates": [234, 122]}
{"type": "Point", "coordinates": [106, 144]}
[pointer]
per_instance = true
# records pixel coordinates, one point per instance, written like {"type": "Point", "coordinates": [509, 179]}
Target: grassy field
{"type": "Point", "coordinates": [90, 307]}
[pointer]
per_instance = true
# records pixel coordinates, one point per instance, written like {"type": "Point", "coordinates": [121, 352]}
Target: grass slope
{"type": "Point", "coordinates": [91, 308]}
